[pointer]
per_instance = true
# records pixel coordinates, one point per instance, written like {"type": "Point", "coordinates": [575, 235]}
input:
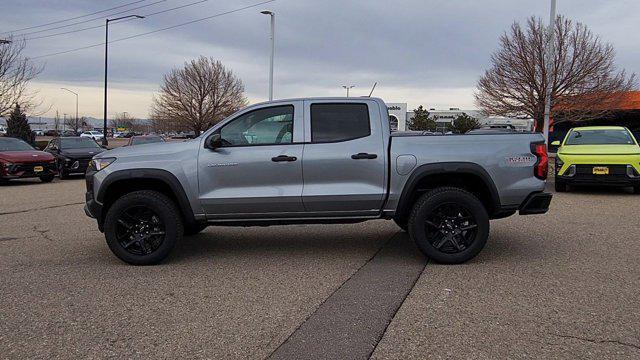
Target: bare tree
{"type": "Point", "coordinates": [585, 82]}
{"type": "Point", "coordinates": [126, 121]}
{"type": "Point", "coordinates": [198, 95]}
{"type": "Point", "coordinates": [15, 73]}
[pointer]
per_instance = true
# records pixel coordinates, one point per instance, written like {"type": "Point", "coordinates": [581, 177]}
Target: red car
{"type": "Point", "coordinates": [20, 160]}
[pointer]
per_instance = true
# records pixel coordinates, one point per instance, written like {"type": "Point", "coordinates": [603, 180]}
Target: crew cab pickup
{"type": "Point", "coordinates": [316, 160]}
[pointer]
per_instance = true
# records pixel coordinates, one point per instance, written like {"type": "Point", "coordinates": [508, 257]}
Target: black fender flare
{"type": "Point", "coordinates": [426, 170]}
{"type": "Point", "coordinates": [153, 174]}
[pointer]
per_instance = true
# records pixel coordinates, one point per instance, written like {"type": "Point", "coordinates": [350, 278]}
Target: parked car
{"type": "Point", "coordinates": [598, 155]}
{"type": "Point", "coordinates": [95, 135]}
{"type": "Point", "coordinates": [20, 160]}
{"type": "Point", "coordinates": [51, 133]}
{"type": "Point", "coordinates": [73, 154]}
{"type": "Point", "coordinates": [68, 133]}
{"type": "Point", "coordinates": [3, 131]}
{"type": "Point", "coordinates": [39, 132]}
{"type": "Point", "coordinates": [144, 139]}
{"type": "Point", "coordinates": [248, 170]}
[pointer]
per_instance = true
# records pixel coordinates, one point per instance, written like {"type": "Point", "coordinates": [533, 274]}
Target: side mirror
{"type": "Point", "coordinates": [213, 142]}
{"type": "Point", "coordinates": [555, 143]}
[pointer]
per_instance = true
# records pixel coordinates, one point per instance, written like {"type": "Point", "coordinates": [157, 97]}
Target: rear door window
{"type": "Point", "coordinates": [339, 122]}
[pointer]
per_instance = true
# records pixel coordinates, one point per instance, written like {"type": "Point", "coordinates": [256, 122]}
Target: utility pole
{"type": "Point", "coordinates": [550, 56]}
{"type": "Point", "coordinates": [76, 94]}
{"type": "Point", "coordinates": [273, 49]}
{"type": "Point", "coordinates": [347, 87]}
{"type": "Point", "coordinates": [105, 142]}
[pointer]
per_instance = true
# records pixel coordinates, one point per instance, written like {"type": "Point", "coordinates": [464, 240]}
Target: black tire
{"type": "Point", "coordinates": [190, 230]}
{"type": "Point", "coordinates": [62, 174]}
{"type": "Point", "coordinates": [636, 189]}
{"type": "Point", "coordinates": [402, 223]}
{"type": "Point", "coordinates": [452, 239]}
{"type": "Point", "coordinates": [47, 178]}
{"type": "Point", "coordinates": [560, 186]}
{"type": "Point", "coordinates": [125, 231]}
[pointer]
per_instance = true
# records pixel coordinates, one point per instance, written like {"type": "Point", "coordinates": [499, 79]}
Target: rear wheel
{"type": "Point", "coordinates": [449, 225]}
{"type": "Point", "coordinates": [560, 186]}
{"type": "Point", "coordinates": [142, 227]}
{"type": "Point", "coordinates": [47, 178]}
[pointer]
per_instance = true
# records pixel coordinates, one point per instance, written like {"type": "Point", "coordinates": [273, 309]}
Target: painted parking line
{"type": "Point", "coordinates": [349, 324]}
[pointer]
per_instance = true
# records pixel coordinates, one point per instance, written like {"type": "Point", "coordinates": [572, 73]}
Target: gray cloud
{"type": "Point", "coordinates": [320, 44]}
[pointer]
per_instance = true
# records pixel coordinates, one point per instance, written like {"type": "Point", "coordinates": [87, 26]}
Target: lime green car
{"type": "Point", "coordinates": [598, 155]}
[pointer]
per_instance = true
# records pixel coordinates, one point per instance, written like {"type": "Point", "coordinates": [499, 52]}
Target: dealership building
{"type": "Point", "coordinates": [399, 116]}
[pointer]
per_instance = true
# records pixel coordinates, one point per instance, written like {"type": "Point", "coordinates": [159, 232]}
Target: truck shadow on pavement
{"type": "Point", "coordinates": [315, 241]}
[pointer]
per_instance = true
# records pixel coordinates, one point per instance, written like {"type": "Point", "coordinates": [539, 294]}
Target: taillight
{"type": "Point", "coordinates": [541, 167]}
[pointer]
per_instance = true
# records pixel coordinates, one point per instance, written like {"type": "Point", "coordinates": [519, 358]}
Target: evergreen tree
{"type": "Point", "coordinates": [421, 121]}
{"type": "Point", "coordinates": [18, 126]}
{"type": "Point", "coordinates": [463, 124]}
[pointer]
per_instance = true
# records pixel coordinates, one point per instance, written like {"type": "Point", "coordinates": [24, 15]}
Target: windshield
{"type": "Point", "coordinates": [599, 137]}
{"type": "Point", "coordinates": [11, 144]}
{"type": "Point", "coordinates": [78, 143]}
{"type": "Point", "coordinates": [146, 140]}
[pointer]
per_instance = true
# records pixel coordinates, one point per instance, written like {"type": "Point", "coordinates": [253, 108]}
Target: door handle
{"type": "Point", "coordinates": [359, 156]}
{"type": "Point", "coordinates": [284, 158]}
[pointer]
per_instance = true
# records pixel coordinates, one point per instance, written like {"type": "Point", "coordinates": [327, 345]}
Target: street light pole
{"type": "Point", "coordinates": [105, 142]}
{"type": "Point", "coordinates": [273, 49]}
{"type": "Point", "coordinates": [76, 94]}
{"type": "Point", "coordinates": [549, 69]}
{"type": "Point", "coordinates": [347, 87]}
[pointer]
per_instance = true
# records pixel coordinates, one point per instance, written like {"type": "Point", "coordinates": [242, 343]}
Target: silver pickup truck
{"type": "Point", "coordinates": [316, 160]}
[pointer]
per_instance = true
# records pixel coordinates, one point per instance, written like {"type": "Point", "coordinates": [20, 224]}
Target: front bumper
{"type": "Point", "coordinates": [92, 208]}
{"type": "Point", "coordinates": [26, 170]}
{"type": "Point", "coordinates": [75, 166]}
{"type": "Point", "coordinates": [583, 175]}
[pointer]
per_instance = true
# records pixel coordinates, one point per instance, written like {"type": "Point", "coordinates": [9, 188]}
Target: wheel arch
{"type": "Point", "coordinates": [469, 176]}
{"type": "Point", "coordinates": [123, 182]}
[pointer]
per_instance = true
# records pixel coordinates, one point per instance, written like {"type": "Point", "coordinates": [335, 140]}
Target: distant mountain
{"type": "Point", "coordinates": [47, 123]}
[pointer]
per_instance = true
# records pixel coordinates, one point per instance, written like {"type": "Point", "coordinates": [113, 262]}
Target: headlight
{"type": "Point", "coordinates": [559, 163]}
{"type": "Point", "coordinates": [101, 163]}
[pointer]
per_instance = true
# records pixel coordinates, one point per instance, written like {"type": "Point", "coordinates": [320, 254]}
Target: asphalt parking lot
{"type": "Point", "coordinates": [562, 285]}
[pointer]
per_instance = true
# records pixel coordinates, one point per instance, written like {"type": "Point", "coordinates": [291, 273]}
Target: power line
{"type": "Point", "coordinates": [124, 20]}
{"type": "Point", "coordinates": [155, 31]}
{"type": "Point", "coordinates": [93, 19]}
{"type": "Point", "coordinates": [74, 18]}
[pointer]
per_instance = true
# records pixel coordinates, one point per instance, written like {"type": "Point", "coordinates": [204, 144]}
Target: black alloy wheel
{"type": "Point", "coordinates": [142, 227]}
{"type": "Point", "coordinates": [449, 225]}
{"type": "Point", "coordinates": [139, 230]}
{"type": "Point", "coordinates": [451, 228]}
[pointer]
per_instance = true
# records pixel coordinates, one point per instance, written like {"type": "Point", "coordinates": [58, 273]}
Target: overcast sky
{"type": "Point", "coordinates": [420, 51]}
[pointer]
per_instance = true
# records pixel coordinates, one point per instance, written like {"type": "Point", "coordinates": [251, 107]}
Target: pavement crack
{"type": "Point", "coordinates": [8, 238]}
{"type": "Point", "coordinates": [43, 233]}
{"type": "Point", "coordinates": [598, 341]}
{"type": "Point", "coordinates": [42, 208]}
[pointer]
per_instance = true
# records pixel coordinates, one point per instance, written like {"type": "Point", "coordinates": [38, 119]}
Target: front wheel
{"type": "Point", "coordinates": [142, 227]}
{"type": "Point", "coordinates": [62, 173]}
{"type": "Point", "coordinates": [560, 186]}
{"type": "Point", "coordinates": [636, 189]}
{"type": "Point", "coordinates": [47, 178]}
{"type": "Point", "coordinates": [449, 225]}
